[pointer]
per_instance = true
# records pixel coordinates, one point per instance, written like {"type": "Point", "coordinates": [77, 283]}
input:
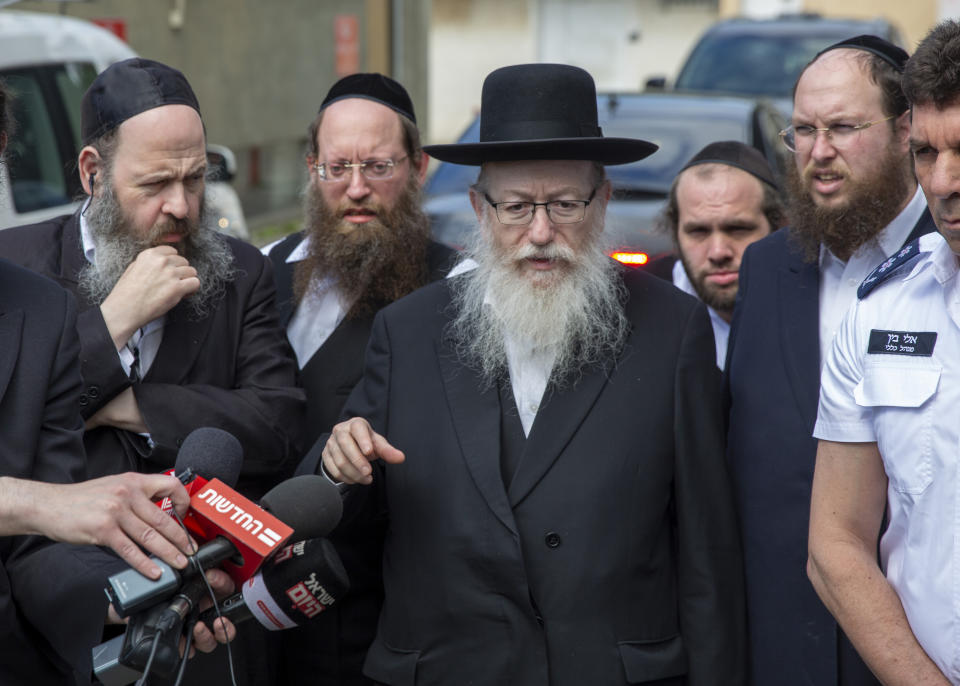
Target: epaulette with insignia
{"type": "Point", "coordinates": [889, 267]}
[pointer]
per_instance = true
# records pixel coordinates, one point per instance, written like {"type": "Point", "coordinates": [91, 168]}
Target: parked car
{"type": "Point", "coordinates": [681, 124]}
{"type": "Point", "coordinates": [47, 62]}
{"type": "Point", "coordinates": [764, 57]}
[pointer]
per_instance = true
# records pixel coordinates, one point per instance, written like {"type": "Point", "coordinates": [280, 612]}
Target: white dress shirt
{"type": "Point", "coordinates": [147, 338]}
{"type": "Point", "coordinates": [318, 314]}
{"type": "Point", "coordinates": [839, 280]}
{"type": "Point", "coordinates": [322, 308]}
{"type": "Point", "coordinates": [893, 377]}
{"type": "Point", "coordinates": [721, 327]}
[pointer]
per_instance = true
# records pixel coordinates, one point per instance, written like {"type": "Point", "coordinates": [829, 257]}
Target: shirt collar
{"type": "Point", "coordinates": [86, 236]}
{"type": "Point", "coordinates": [301, 252]}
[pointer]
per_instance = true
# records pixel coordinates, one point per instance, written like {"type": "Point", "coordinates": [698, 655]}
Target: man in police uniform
{"type": "Point", "coordinates": [887, 421]}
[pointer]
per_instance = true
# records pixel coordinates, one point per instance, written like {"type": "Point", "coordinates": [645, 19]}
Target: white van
{"type": "Point", "coordinates": [47, 62]}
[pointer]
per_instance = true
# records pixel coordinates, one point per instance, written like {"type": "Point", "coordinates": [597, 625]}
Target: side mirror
{"type": "Point", "coordinates": [656, 83]}
{"type": "Point", "coordinates": [221, 163]}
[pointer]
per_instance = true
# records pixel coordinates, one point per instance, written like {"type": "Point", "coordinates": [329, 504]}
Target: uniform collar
{"type": "Point", "coordinates": [939, 257]}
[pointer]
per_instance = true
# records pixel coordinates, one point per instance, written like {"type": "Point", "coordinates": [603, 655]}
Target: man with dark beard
{"type": "Point", "coordinates": [853, 201]}
{"type": "Point", "coordinates": [365, 243]}
{"type": "Point", "coordinates": [560, 512]}
{"type": "Point", "coordinates": [724, 199]}
{"type": "Point", "coordinates": [177, 324]}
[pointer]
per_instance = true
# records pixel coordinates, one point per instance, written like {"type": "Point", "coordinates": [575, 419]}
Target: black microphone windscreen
{"type": "Point", "coordinates": [309, 504]}
{"type": "Point", "coordinates": [211, 453]}
{"type": "Point", "coordinates": [314, 560]}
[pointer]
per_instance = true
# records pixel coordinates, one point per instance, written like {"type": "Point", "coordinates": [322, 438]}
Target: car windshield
{"type": "Point", "coordinates": [752, 65]}
{"type": "Point", "coordinates": [679, 134]}
{"type": "Point", "coordinates": [679, 139]}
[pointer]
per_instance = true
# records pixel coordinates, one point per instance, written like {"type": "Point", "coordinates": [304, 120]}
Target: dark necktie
{"type": "Point", "coordinates": [133, 345]}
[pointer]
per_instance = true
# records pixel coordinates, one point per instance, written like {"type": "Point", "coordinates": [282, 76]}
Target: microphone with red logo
{"type": "Point", "coordinates": [310, 503]}
{"type": "Point", "coordinates": [303, 580]}
{"type": "Point", "coordinates": [238, 534]}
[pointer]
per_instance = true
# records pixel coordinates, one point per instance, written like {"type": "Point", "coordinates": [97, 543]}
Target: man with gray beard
{"type": "Point", "coordinates": [852, 202]}
{"type": "Point", "coordinates": [365, 243]}
{"type": "Point", "coordinates": [543, 435]}
{"type": "Point", "coordinates": [177, 323]}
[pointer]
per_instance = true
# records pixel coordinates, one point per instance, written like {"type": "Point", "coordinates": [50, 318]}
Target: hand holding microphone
{"type": "Point", "coordinates": [115, 511]}
{"type": "Point", "coordinates": [238, 534]}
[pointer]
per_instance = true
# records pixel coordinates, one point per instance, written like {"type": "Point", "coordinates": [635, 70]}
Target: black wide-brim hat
{"type": "Point", "coordinates": [541, 112]}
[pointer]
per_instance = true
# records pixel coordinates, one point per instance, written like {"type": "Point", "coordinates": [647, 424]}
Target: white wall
{"type": "Point", "coordinates": [620, 42]}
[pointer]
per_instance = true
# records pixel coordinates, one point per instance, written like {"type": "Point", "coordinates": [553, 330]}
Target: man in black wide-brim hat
{"type": "Point", "coordinates": [543, 433]}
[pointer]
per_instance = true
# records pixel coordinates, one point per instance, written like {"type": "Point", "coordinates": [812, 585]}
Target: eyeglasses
{"type": "Point", "coordinates": [797, 138]}
{"type": "Point", "coordinates": [372, 170]}
{"type": "Point", "coordinates": [558, 211]}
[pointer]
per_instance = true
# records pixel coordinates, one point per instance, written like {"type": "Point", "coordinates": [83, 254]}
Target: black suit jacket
{"type": "Point", "coordinates": [613, 558]}
{"type": "Point", "coordinates": [772, 383]}
{"type": "Point", "coordinates": [336, 367]}
{"type": "Point", "coordinates": [52, 605]}
{"type": "Point", "coordinates": [331, 649]}
{"type": "Point", "coordinates": [232, 370]}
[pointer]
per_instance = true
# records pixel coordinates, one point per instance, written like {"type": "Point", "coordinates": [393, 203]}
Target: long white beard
{"type": "Point", "coordinates": [574, 311]}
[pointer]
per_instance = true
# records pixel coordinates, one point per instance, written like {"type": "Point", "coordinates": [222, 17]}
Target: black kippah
{"type": "Point", "coordinates": [127, 88]}
{"type": "Point", "coordinates": [893, 55]}
{"type": "Point", "coordinates": [375, 87]}
{"type": "Point", "coordinates": [735, 154]}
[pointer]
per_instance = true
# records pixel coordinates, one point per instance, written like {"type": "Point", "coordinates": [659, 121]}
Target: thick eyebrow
{"type": "Point", "coordinates": [167, 174]}
{"type": "Point", "coordinates": [525, 196]}
{"type": "Point", "coordinates": [917, 143]}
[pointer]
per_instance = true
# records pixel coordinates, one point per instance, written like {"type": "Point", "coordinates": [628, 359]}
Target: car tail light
{"type": "Point", "coordinates": [632, 259]}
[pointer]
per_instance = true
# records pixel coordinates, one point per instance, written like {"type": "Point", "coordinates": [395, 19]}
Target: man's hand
{"type": "Point", "coordinates": [151, 286]}
{"type": "Point", "coordinates": [204, 639]}
{"type": "Point", "coordinates": [352, 445]}
{"type": "Point", "coordinates": [122, 412]}
{"type": "Point", "coordinates": [117, 511]}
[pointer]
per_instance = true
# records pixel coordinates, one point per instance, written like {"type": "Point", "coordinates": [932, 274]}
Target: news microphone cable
{"type": "Point", "coordinates": [142, 681]}
{"type": "Point", "coordinates": [216, 607]}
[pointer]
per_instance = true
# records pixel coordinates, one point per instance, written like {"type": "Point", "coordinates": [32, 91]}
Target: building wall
{"type": "Point", "coordinates": [620, 42]}
{"type": "Point", "coordinates": [261, 69]}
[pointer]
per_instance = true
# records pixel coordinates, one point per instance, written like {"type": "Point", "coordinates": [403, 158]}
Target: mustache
{"type": "Point", "coordinates": [553, 251]}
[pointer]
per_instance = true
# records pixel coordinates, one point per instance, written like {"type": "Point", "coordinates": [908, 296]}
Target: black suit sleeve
{"type": "Point", "coordinates": [263, 408]}
{"type": "Point", "coordinates": [369, 399]}
{"type": "Point", "coordinates": [711, 591]}
{"type": "Point", "coordinates": [59, 593]}
{"type": "Point", "coordinates": [103, 375]}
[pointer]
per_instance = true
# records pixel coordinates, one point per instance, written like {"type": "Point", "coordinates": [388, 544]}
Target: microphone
{"type": "Point", "coordinates": [206, 453]}
{"type": "Point", "coordinates": [302, 581]}
{"type": "Point", "coordinates": [240, 535]}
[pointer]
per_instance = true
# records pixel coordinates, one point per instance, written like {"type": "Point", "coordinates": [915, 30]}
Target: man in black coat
{"type": "Point", "coordinates": [366, 243]}
{"type": "Point", "coordinates": [853, 201]}
{"type": "Point", "coordinates": [178, 325]}
{"type": "Point", "coordinates": [544, 434]}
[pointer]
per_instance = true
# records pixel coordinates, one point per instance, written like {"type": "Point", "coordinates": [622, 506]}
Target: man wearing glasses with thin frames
{"type": "Point", "coordinates": [365, 243]}
{"type": "Point", "coordinates": [853, 201]}
{"type": "Point", "coordinates": [544, 435]}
